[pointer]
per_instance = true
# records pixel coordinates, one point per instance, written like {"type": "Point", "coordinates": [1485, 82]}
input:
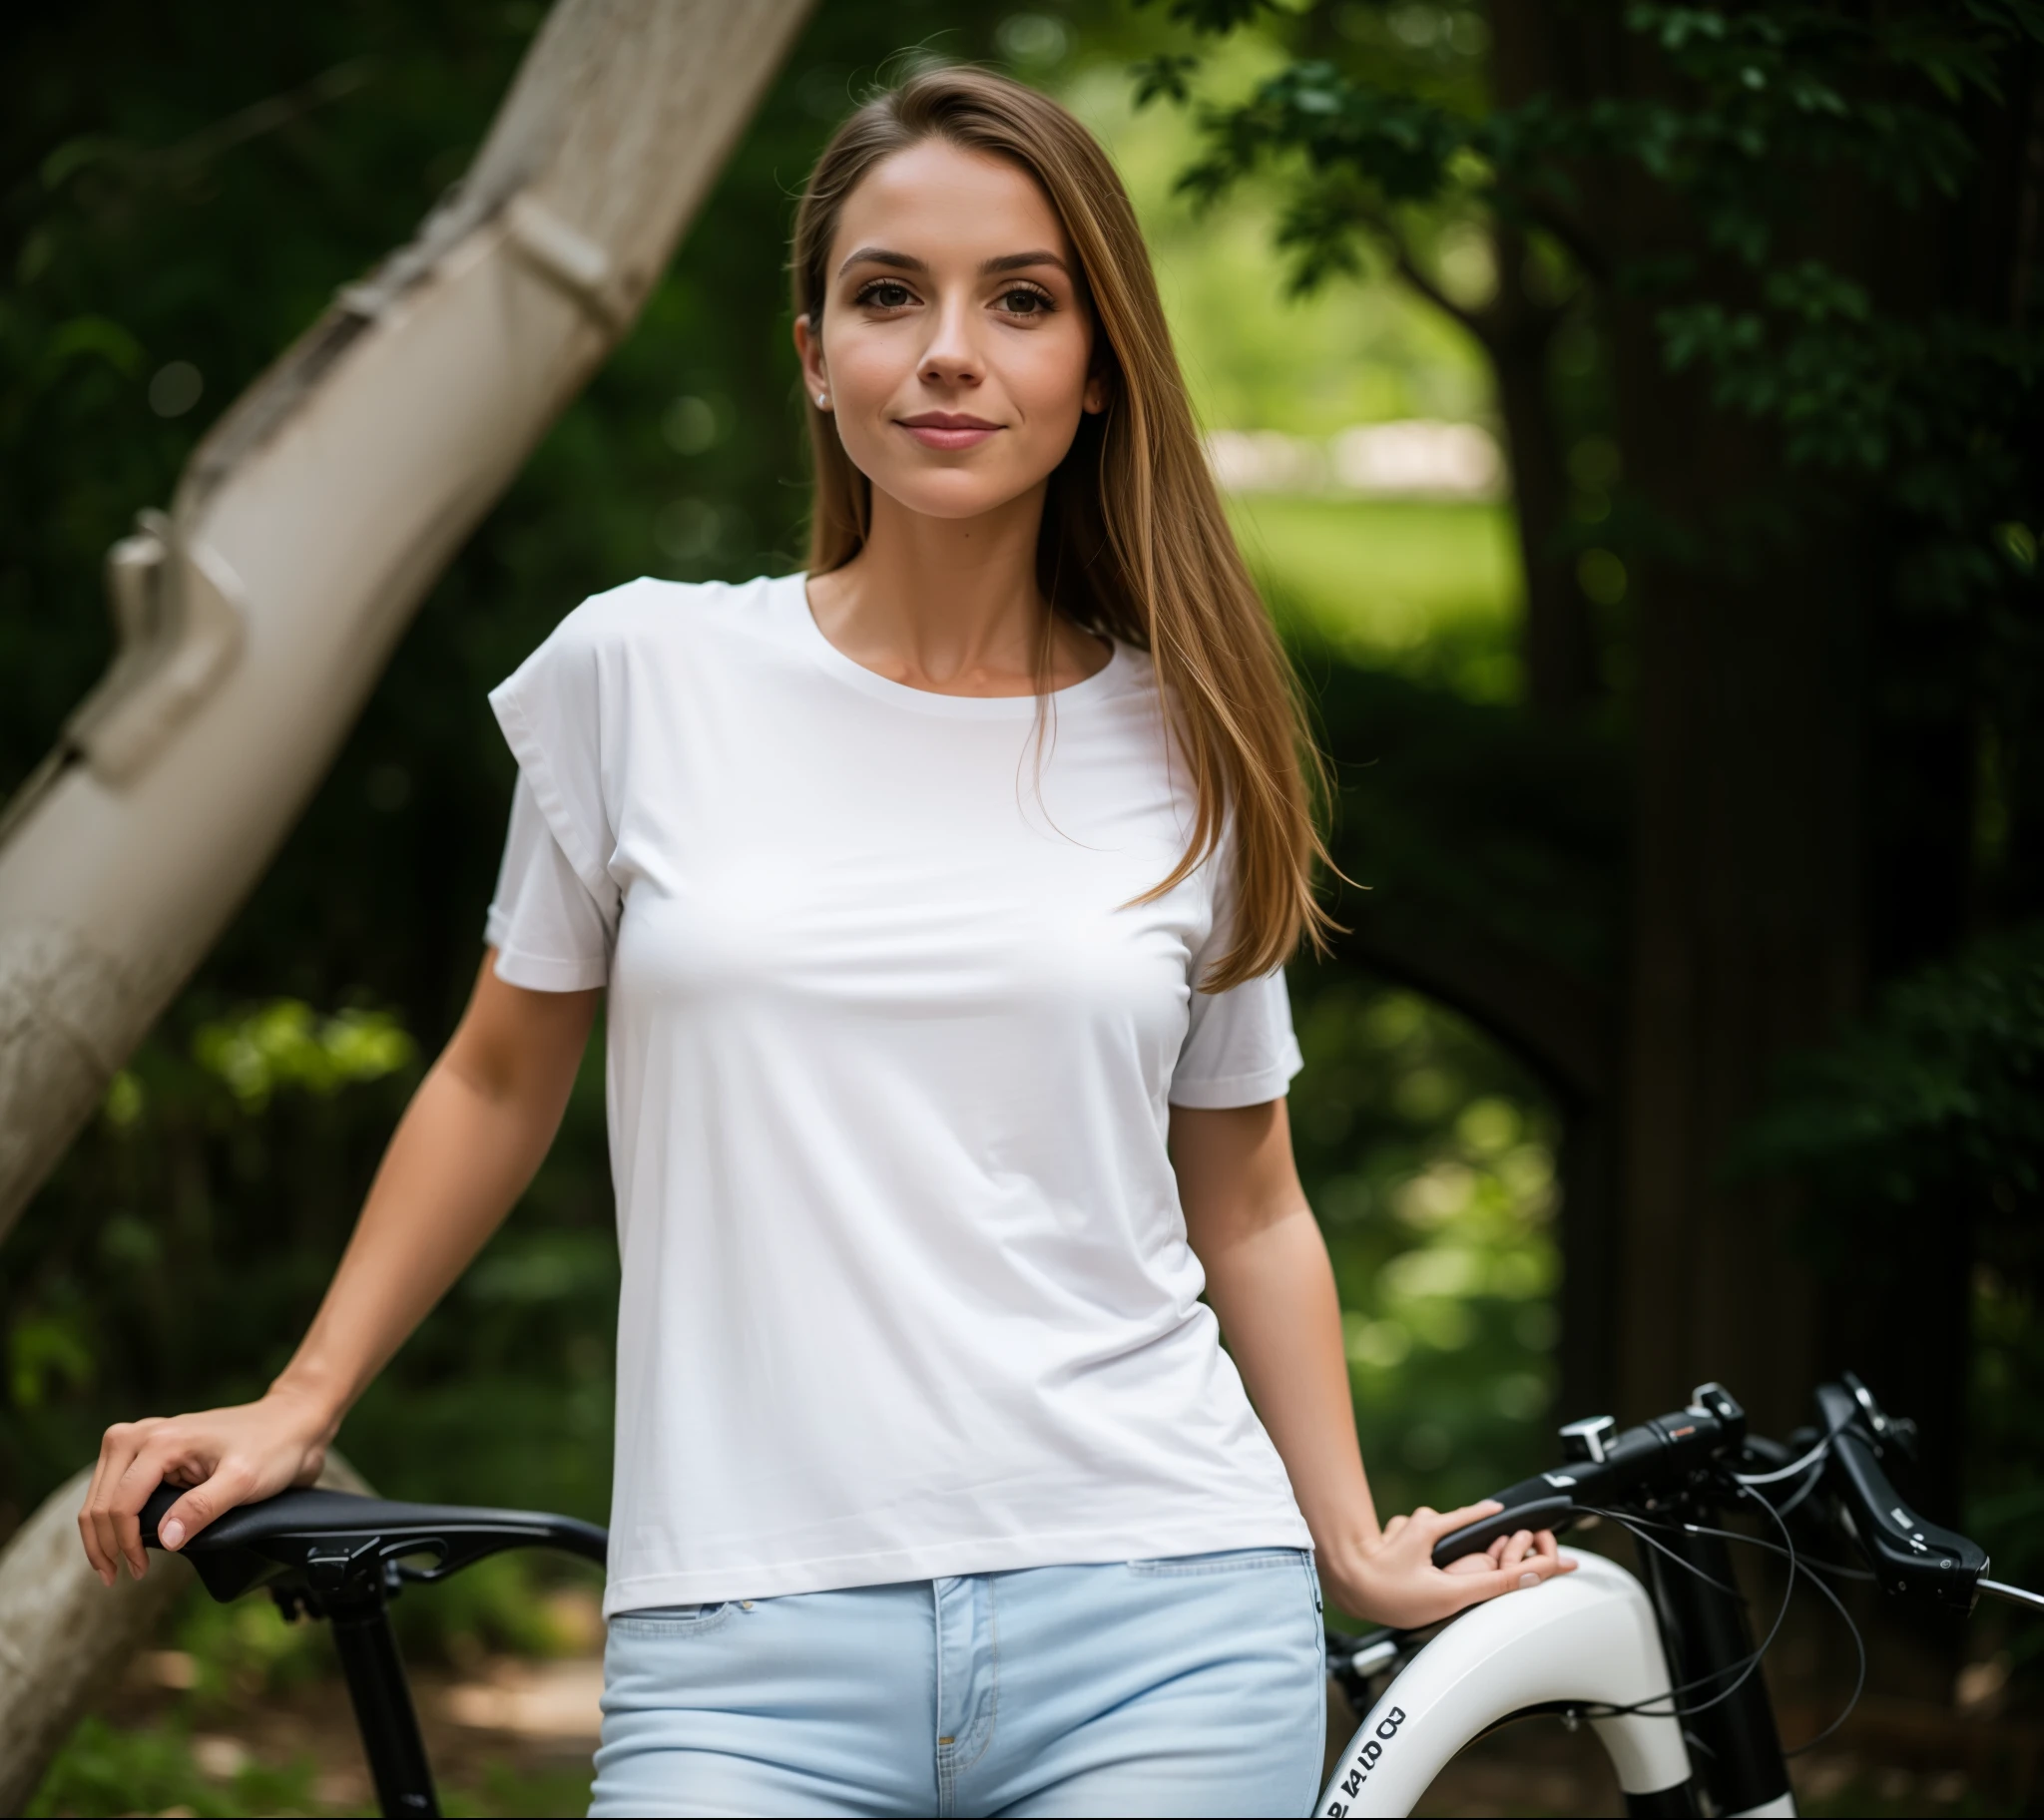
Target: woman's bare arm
{"type": "Point", "coordinates": [1269, 1282]}
{"type": "Point", "coordinates": [469, 1142]}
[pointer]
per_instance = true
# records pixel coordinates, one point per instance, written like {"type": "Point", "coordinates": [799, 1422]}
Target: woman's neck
{"type": "Point", "coordinates": [952, 605]}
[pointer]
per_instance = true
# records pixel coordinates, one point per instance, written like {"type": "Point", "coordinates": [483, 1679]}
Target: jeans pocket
{"type": "Point", "coordinates": [1224, 1561]}
{"type": "Point", "coordinates": [672, 1620]}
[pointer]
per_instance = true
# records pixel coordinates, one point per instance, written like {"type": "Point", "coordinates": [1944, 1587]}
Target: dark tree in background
{"type": "Point", "coordinates": [1770, 361]}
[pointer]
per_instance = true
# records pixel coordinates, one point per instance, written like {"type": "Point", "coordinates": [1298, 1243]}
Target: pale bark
{"type": "Point", "coordinates": [257, 616]}
{"type": "Point", "coordinates": [64, 1637]}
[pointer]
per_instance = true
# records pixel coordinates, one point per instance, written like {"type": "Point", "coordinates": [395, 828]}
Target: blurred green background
{"type": "Point", "coordinates": [168, 230]}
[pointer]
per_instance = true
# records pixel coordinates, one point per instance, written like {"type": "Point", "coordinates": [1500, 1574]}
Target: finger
{"type": "Point", "coordinates": [1517, 1546]}
{"type": "Point", "coordinates": [1532, 1569]}
{"type": "Point", "coordinates": [1481, 1588]}
{"type": "Point", "coordinates": [1523, 1574]}
{"type": "Point", "coordinates": [1394, 1527]}
{"type": "Point", "coordinates": [117, 1448]}
{"type": "Point", "coordinates": [88, 1528]}
{"type": "Point", "coordinates": [1444, 1521]}
{"type": "Point", "coordinates": [1550, 1550]}
{"type": "Point", "coordinates": [117, 1455]}
{"type": "Point", "coordinates": [124, 1499]}
{"type": "Point", "coordinates": [229, 1485]}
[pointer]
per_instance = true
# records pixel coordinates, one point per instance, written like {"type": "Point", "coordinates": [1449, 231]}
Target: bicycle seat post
{"type": "Point", "coordinates": [355, 1605]}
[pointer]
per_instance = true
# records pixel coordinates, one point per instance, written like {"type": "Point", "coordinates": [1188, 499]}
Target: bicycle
{"type": "Point", "coordinates": [1665, 1672]}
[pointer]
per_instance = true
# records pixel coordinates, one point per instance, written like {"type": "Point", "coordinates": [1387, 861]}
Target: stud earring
{"type": "Point", "coordinates": [822, 398]}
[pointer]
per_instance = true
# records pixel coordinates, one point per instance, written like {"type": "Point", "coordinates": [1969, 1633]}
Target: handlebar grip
{"type": "Point", "coordinates": [1534, 1505]}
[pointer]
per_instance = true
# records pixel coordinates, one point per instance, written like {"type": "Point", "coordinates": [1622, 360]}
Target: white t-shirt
{"type": "Point", "coordinates": [905, 1283]}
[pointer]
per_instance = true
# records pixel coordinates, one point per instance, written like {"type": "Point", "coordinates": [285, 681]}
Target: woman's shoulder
{"type": "Point", "coordinates": [649, 613]}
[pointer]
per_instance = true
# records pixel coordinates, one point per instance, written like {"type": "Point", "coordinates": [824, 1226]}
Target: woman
{"type": "Point", "coordinates": [936, 892]}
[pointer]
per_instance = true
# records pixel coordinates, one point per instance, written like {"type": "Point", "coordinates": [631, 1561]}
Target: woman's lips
{"type": "Point", "coordinates": [945, 430]}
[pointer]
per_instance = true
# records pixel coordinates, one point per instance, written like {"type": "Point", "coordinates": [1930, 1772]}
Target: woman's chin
{"type": "Point", "coordinates": [954, 492]}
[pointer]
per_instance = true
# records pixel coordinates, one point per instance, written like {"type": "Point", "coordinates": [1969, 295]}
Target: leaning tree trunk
{"type": "Point", "coordinates": [258, 614]}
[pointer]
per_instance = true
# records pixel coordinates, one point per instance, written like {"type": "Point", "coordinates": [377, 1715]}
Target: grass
{"type": "Point", "coordinates": [108, 1769]}
{"type": "Point", "coordinates": [1430, 589]}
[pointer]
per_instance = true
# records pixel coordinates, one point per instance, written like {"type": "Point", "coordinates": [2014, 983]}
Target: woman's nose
{"type": "Point", "coordinates": [952, 358]}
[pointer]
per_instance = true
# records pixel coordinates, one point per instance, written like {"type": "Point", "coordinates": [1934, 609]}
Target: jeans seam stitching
{"type": "Point", "coordinates": [994, 1700]}
{"type": "Point", "coordinates": [946, 1781]}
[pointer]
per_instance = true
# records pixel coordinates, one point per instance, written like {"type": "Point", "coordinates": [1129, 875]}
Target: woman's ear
{"type": "Point", "coordinates": [1100, 376]}
{"type": "Point", "coordinates": [808, 347]}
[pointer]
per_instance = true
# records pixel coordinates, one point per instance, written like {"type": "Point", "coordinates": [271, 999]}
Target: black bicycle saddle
{"type": "Point", "coordinates": [335, 1544]}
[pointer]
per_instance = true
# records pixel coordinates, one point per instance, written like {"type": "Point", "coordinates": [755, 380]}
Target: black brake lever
{"type": "Point", "coordinates": [1912, 1557]}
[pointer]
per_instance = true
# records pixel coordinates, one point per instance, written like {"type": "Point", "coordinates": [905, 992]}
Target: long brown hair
{"type": "Point", "coordinates": [1135, 543]}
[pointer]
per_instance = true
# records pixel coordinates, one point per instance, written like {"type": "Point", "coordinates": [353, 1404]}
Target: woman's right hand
{"type": "Point", "coordinates": [226, 1457]}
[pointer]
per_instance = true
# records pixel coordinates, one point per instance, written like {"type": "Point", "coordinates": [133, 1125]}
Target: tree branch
{"type": "Point", "coordinates": [1408, 270]}
{"type": "Point", "coordinates": [1556, 221]}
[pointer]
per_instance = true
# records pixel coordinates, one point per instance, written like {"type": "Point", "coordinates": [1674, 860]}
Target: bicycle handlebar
{"type": "Point", "coordinates": [1694, 1449]}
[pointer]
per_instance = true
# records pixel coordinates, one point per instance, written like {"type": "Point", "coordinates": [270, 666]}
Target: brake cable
{"type": "Point", "coordinates": [1816, 1457]}
{"type": "Point", "coordinates": [1637, 1528]}
{"type": "Point", "coordinates": [1798, 1566]}
{"type": "Point", "coordinates": [1744, 1670]}
{"type": "Point", "coordinates": [1804, 1562]}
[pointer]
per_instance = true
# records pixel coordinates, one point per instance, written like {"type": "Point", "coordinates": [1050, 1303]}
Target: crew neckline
{"type": "Point", "coordinates": [928, 700]}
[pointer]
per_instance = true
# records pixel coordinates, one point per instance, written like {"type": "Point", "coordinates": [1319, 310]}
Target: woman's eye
{"type": "Point", "coordinates": [887, 295]}
{"type": "Point", "coordinates": [1022, 302]}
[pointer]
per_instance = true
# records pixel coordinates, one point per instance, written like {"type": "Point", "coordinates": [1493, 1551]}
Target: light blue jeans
{"type": "Point", "coordinates": [1194, 1685]}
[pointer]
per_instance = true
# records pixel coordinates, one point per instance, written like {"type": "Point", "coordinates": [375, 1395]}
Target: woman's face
{"type": "Point", "coordinates": [956, 348]}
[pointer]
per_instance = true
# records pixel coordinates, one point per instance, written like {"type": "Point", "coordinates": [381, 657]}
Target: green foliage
{"type": "Point", "coordinates": [1759, 121]}
{"type": "Point", "coordinates": [1426, 589]}
{"type": "Point", "coordinates": [105, 1769]}
{"type": "Point", "coordinates": [1256, 357]}
{"type": "Point", "coordinates": [285, 1043]}
{"type": "Point", "coordinates": [1428, 1156]}
{"type": "Point", "coordinates": [1937, 1097]}
{"type": "Point", "coordinates": [1921, 1125]}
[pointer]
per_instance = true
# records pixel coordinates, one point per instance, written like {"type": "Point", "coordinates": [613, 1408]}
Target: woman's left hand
{"type": "Point", "coordinates": [1393, 1581]}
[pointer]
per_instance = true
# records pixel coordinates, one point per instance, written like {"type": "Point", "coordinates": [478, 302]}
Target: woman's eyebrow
{"type": "Point", "coordinates": [1017, 262]}
{"type": "Point", "coordinates": [881, 255]}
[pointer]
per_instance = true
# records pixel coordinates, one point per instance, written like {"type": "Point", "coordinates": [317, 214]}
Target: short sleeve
{"type": "Point", "coordinates": [555, 913]}
{"type": "Point", "coordinates": [1240, 1048]}
{"type": "Point", "coordinates": [550, 931]}
{"type": "Point", "coordinates": [550, 710]}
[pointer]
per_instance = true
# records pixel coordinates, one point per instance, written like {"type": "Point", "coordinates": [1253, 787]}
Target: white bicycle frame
{"type": "Point", "coordinates": [1589, 1637]}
